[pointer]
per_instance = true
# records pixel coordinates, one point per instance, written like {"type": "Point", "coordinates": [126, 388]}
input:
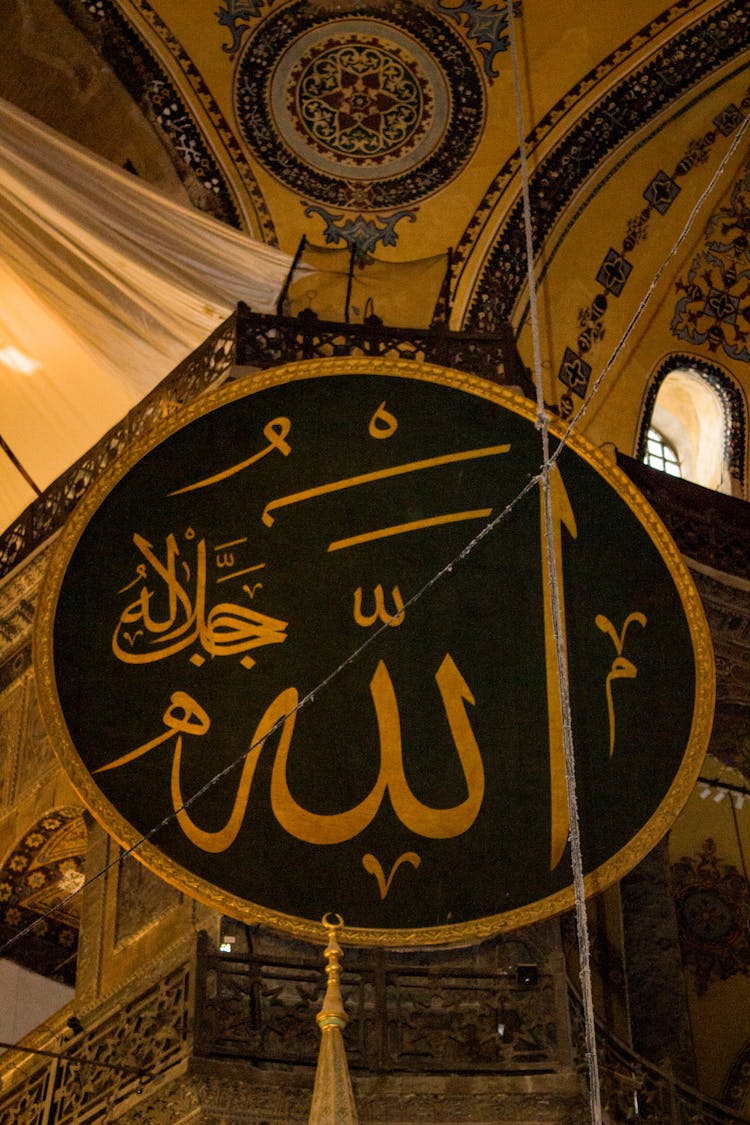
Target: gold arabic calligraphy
{"type": "Point", "coordinates": [622, 668]}
{"type": "Point", "coordinates": [185, 716]}
{"type": "Point", "coordinates": [145, 634]}
{"type": "Point", "coordinates": [142, 636]}
{"type": "Point", "coordinates": [276, 431]}
{"type": "Point", "coordinates": [379, 474]}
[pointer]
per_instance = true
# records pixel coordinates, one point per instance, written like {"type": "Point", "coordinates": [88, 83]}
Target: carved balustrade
{"type": "Point", "coordinates": [408, 1014]}
{"type": "Point", "coordinates": [707, 526]}
{"type": "Point", "coordinates": [151, 1032]}
{"type": "Point", "coordinates": [268, 341]}
{"type": "Point", "coordinates": [633, 1089]}
{"type": "Point", "coordinates": [425, 1016]}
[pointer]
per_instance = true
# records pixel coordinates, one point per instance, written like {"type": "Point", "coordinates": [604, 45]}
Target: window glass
{"type": "Point", "coordinates": [661, 455]}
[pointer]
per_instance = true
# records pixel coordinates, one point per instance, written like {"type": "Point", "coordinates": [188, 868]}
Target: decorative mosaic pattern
{"type": "Point", "coordinates": [486, 25]}
{"type": "Point", "coordinates": [235, 16]}
{"type": "Point", "coordinates": [356, 111]}
{"type": "Point", "coordinates": [359, 102]}
{"type": "Point", "coordinates": [688, 58]}
{"type": "Point", "coordinates": [575, 372]}
{"type": "Point", "coordinates": [110, 34]}
{"type": "Point", "coordinates": [262, 223]}
{"type": "Point", "coordinates": [659, 194]}
{"type": "Point", "coordinates": [714, 307]}
{"type": "Point", "coordinates": [713, 911]}
{"type": "Point", "coordinates": [44, 869]}
{"type": "Point", "coordinates": [360, 234]}
{"type": "Point", "coordinates": [729, 120]}
{"type": "Point", "coordinates": [614, 272]}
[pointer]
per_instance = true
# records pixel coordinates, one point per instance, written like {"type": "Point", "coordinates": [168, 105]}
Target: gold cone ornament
{"type": "Point", "coordinates": [333, 1098]}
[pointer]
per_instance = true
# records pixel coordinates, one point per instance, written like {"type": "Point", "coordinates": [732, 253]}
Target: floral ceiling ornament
{"type": "Point", "coordinates": [361, 235]}
{"type": "Point", "coordinates": [616, 268]}
{"type": "Point", "coordinates": [688, 57]}
{"type": "Point", "coordinates": [486, 24]}
{"type": "Point", "coordinates": [37, 881]}
{"type": "Point", "coordinates": [714, 306]}
{"type": "Point", "coordinates": [713, 912]}
{"type": "Point", "coordinates": [235, 15]}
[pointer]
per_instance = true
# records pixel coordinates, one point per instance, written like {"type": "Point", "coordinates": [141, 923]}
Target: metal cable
{"type": "Point", "coordinates": [558, 625]}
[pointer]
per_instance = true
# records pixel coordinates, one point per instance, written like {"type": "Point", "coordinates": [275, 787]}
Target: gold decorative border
{"type": "Point", "coordinates": [466, 932]}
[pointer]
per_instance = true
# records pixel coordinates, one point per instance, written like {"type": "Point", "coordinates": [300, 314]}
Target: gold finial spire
{"type": "Point", "coordinates": [333, 1099]}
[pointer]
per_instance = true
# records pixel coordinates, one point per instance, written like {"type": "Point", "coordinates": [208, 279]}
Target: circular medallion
{"type": "Point", "coordinates": [299, 648]}
{"type": "Point", "coordinates": [706, 915]}
{"type": "Point", "coordinates": [359, 111]}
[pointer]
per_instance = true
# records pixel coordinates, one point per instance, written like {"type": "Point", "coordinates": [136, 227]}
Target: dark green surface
{"type": "Point", "coordinates": [486, 613]}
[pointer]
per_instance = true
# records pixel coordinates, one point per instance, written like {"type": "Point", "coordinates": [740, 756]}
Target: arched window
{"type": "Point", "coordinates": [694, 425]}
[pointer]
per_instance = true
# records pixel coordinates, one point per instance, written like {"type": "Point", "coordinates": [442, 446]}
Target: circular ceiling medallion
{"type": "Point", "coordinates": [359, 103]}
{"type": "Point", "coordinates": [357, 111]}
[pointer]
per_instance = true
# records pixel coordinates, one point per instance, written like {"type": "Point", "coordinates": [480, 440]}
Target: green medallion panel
{"type": "Point", "coordinates": [304, 644]}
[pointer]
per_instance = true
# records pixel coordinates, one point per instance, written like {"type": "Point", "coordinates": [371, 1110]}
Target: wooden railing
{"type": "Point", "coordinates": [150, 1035]}
{"type": "Point", "coordinates": [633, 1089]}
{"type": "Point", "coordinates": [707, 526]}
{"type": "Point", "coordinates": [406, 1017]}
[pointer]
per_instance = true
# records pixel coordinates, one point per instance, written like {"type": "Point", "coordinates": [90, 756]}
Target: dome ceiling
{"type": "Point", "coordinates": [363, 111]}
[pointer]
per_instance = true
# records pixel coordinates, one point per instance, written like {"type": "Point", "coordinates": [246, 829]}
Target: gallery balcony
{"type": "Point", "coordinates": [221, 1030]}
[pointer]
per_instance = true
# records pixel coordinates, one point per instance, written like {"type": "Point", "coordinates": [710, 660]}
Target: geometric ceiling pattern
{"type": "Point", "coordinates": [38, 884]}
{"type": "Point", "coordinates": [390, 127]}
{"type": "Point", "coordinates": [364, 112]}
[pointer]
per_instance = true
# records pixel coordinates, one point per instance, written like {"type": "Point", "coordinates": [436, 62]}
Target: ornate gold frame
{"type": "Point", "coordinates": [468, 932]}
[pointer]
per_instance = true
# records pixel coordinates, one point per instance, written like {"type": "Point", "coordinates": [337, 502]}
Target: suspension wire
{"type": "Point", "coordinates": [542, 415]}
{"type": "Point", "coordinates": [558, 624]}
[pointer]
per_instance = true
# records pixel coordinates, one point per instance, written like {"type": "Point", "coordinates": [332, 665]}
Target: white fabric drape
{"type": "Point", "coordinates": [105, 284]}
{"type": "Point", "coordinates": [136, 273]}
